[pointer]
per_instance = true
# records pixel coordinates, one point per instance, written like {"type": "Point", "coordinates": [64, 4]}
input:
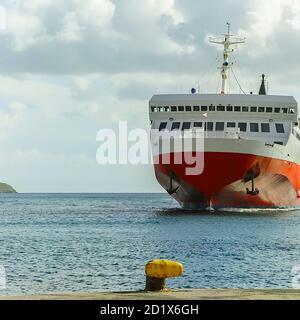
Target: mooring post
{"type": "Point", "coordinates": [157, 271]}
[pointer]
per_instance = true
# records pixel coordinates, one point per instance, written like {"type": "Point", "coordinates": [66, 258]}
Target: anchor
{"type": "Point", "coordinates": [253, 191]}
{"type": "Point", "coordinates": [172, 190]}
{"type": "Point", "coordinates": [251, 174]}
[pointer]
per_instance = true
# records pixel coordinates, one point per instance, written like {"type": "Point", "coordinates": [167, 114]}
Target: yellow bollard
{"type": "Point", "coordinates": [157, 271]}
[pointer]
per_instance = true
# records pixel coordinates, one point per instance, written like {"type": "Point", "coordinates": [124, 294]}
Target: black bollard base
{"type": "Point", "coordinates": [155, 284]}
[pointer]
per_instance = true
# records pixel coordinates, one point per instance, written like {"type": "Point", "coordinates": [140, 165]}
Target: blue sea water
{"type": "Point", "coordinates": [101, 242]}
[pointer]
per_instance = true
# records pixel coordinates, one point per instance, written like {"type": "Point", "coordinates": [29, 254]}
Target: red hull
{"type": "Point", "coordinates": [225, 179]}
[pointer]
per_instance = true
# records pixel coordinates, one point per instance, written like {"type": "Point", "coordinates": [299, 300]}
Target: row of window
{"type": "Point", "coordinates": [220, 126]}
{"type": "Point", "coordinates": [222, 108]}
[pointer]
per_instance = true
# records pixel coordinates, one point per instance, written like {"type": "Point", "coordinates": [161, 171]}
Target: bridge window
{"type": "Point", "coordinates": [245, 109]}
{"type": "Point", "coordinates": [203, 108]}
{"type": "Point", "coordinates": [229, 108]}
{"type": "Point", "coordinates": [230, 124]}
{"type": "Point", "coordinates": [261, 109]}
{"type": "Point", "coordinates": [220, 108]}
{"type": "Point", "coordinates": [186, 126]}
{"type": "Point", "coordinates": [242, 126]}
{"type": "Point", "coordinates": [212, 108]}
{"type": "Point", "coordinates": [173, 109]}
{"type": "Point", "coordinates": [196, 108]}
{"type": "Point", "coordinates": [175, 126]}
{"type": "Point", "coordinates": [188, 108]}
{"type": "Point", "coordinates": [291, 110]}
{"type": "Point", "coordinates": [197, 124]}
{"type": "Point", "coordinates": [284, 110]}
{"type": "Point", "coordinates": [162, 126]}
{"type": "Point", "coordinates": [180, 108]}
{"type": "Point", "coordinates": [254, 127]}
{"type": "Point", "coordinates": [277, 110]}
{"type": "Point", "coordinates": [269, 109]}
{"type": "Point", "coordinates": [237, 109]}
{"type": "Point", "coordinates": [279, 127]}
{"type": "Point", "coordinates": [209, 126]}
{"type": "Point", "coordinates": [253, 109]}
{"type": "Point", "coordinates": [153, 109]}
{"type": "Point", "coordinates": [166, 109]}
{"type": "Point", "coordinates": [219, 126]}
{"type": "Point", "coordinates": [265, 127]}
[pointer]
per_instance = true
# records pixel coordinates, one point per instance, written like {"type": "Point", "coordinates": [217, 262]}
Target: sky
{"type": "Point", "coordinates": [69, 68]}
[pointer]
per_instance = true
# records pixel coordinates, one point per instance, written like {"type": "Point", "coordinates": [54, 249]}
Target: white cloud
{"type": "Point", "coordinates": [82, 83]}
{"type": "Point", "coordinates": [97, 13]}
{"type": "Point", "coordinates": [267, 19]}
{"type": "Point", "coordinates": [165, 7]}
{"type": "Point", "coordinates": [294, 19]}
{"type": "Point", "coordinates": [71, 30]}
{"type": "Point", "coordinates": [33, 6]}
{"type": "Point", "coordinates": [10, 118]}
{"type": "Point", "coordinates": [24, 29]}
{"type": "Point", "coordinates": [27, 20]}
{"type": "Point", "coordinates": [59, 36]}
{"type": "Point", "coordinates": [36, 92]}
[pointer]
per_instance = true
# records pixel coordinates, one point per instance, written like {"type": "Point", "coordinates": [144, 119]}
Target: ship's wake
{"type": "Point", "coordinates": [225, 211]}
{"type": "Point", "coordinates": [255, 210]}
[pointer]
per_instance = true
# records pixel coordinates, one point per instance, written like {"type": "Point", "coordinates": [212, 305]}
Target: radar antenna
{"type": "Point", "coordinates": [227, 40]}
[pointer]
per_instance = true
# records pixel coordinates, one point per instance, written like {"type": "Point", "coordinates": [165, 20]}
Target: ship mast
{"type": "Point", "coordinates": [227, 40]}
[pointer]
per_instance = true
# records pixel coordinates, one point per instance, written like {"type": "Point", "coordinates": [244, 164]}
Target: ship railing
{"type": "Point", "coordinates": [195, 133]}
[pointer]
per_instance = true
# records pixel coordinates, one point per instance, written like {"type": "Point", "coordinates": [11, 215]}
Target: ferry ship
{"type": "Point", "coordinates": [251, 145]}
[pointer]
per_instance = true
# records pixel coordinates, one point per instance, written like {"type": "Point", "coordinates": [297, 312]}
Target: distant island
{"type": "Point", "coordinates": [5, 188]}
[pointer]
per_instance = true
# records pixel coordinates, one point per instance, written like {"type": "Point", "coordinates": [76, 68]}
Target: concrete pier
{"type": "Point", "coordinates": [194, 294]}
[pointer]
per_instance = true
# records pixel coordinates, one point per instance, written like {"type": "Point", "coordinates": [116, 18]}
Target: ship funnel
{"type": "Point", "coordinates": [262, 89]}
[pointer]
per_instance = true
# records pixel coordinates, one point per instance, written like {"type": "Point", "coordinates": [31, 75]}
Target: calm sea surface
{"type": "Point", "coordinates": [101, 242]}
